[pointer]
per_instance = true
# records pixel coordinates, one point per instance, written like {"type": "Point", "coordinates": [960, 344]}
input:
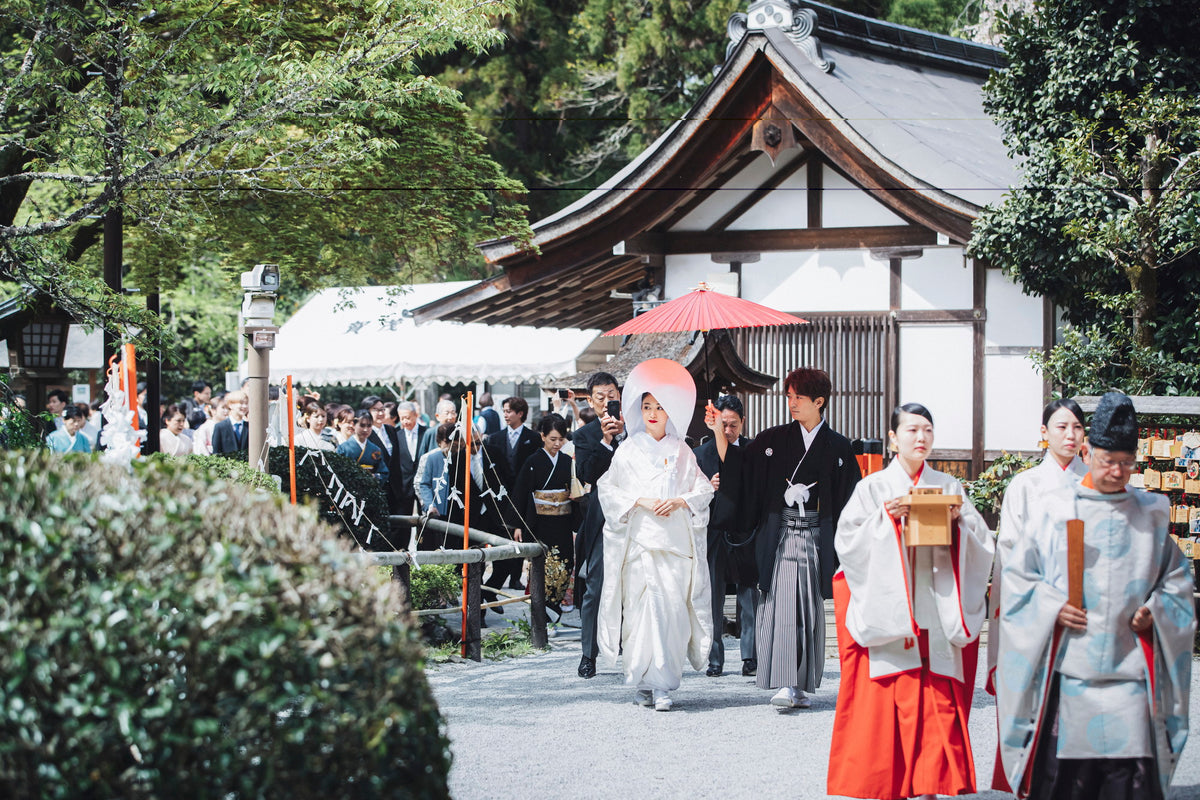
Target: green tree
{"type": "Point", "coordinates": [299, 131]}
{"type": "Point", "coordinates": [1099, 106]}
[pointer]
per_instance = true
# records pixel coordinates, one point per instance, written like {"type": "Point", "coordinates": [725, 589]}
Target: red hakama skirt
{"type": "Point", "coordinates": [900, 736]}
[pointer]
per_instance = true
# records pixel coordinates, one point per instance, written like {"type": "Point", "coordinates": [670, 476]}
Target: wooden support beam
{"type": "Point", "coordinates": [402, 575]}
{"type": "Point", "coordinates": [979, 386]}
{"type": "Point", "coordinates": [472, 635]}
{"type": "Point", "coordinates": [537, 602]}
{"type": "Point", "coordinates": [765, 241]}
{"type": "Point", "coordinates": [953, 315]}
{"type": "Point", "coordinates": [816, 192]}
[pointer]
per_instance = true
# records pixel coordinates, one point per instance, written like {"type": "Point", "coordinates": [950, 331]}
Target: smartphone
{"type": "Point", "coordinates": [562, 393]}
{"type": "Point", "coordinates": [614, 409]}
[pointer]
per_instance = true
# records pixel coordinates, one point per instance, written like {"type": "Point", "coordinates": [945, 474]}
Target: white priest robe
{"type": "Point", "coordinates": [655, 600]}
{"type": "Point", "coordinates": [1020, 498]}
{"type": "Point", "coordinates": [895, 590]}
{"type": "Point", "coordinates": [1121, 695]}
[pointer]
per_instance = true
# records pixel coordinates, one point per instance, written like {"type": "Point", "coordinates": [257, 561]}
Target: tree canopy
{"type": "Point", "coordinates": [299, 131]}
{"type": "Point", "coordinates": [1099, 104]}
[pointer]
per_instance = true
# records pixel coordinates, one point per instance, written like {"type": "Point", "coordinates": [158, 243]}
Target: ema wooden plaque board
{"type": "Point", "coordinates": [928, 522]}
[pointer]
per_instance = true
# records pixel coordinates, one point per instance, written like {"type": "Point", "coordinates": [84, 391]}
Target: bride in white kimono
{"type": "Point", "coordinates": [654, 607]}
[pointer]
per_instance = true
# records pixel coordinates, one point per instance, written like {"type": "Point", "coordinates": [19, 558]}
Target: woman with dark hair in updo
{"type": "Point", "coordinates": [312, 423]}
{"type": "Point", "coordinates": [542, 492]}
{"type": "Point", "coordinates": [174, 439]}
{"type": "Point", "coordinates": [1063, 435]}
{"type": "Point", "coordinates": [908, 621]}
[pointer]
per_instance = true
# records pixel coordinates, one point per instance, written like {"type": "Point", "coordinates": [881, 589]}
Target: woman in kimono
{"type": "Point", "coordinates": [543, 492]}
{"type": "Point", "coordinates": [174, 439]}
{"type": "Point", "coordinates": [1063, 432]}
{"type": "Point", "coordinates": [908, 621]}
{"type": "Point", "coordinates": [365, 453]}
{"type": "Point", "coordinates": [654, 605]}
{"type": "Point", "coordinates": [312, 423]}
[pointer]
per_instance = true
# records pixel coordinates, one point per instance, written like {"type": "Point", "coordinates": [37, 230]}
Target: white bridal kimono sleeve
{"type": "Point", "coordinates": [654, 565]}
{"type": "Point", "coordinates": [896, 590]}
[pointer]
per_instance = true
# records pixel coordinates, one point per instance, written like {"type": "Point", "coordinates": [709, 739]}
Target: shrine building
{"type": "Point", "coordinates": [832, 169]}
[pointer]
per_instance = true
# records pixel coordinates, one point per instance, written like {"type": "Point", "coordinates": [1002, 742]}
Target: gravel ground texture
{"type": "Point", "coordinates": [529, 727]}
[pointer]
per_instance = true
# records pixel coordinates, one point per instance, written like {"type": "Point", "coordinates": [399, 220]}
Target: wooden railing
{"type": "Point", "coordinates": [485, 548]}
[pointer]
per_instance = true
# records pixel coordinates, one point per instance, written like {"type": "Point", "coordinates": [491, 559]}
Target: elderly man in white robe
{"type": "Point", "coordinates": [654, 606]}
{"type": "Point", "coordinates": [1093, 700]}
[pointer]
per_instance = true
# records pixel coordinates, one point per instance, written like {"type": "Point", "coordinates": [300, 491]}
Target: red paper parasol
{"type": "Point", "coordinates": [703, 309]}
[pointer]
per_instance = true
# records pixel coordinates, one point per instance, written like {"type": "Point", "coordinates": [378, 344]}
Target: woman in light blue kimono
{"type": "Point", "coordinates": [68, 438]}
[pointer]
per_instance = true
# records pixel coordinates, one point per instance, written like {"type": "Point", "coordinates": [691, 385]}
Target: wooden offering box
{"type": "Point", "coordinates": [929, 518]}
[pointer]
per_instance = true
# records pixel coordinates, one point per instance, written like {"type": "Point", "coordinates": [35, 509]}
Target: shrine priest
{"type": "Point", "coordinates": [796, 479]}
{"type": "Point", "coordinates": [1093, 700]}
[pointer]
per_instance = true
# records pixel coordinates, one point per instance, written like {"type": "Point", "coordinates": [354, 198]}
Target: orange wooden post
{"type": "Point", "coordinates": [129, 369]}
{"type": "Point", "coordinates": [1075, 562]}
{"type": "Point", "coordinates": [291, 401]}
{"type": "Point", "coordinates": [468, 428]}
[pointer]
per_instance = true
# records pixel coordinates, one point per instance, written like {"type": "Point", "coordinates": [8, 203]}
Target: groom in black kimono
{"type": "Point", "coordinates": [796, 480]}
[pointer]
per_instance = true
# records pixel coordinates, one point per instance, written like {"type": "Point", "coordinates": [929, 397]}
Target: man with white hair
{"type": "Point", "coordinates": [446, 411]}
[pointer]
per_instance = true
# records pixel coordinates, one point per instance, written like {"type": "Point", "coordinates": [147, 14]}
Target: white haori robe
{"type": "Point", "coordinates": [896, 590]}
{"type": "Point", "coordinates": [1121, 695]}
{"type": "Point", "coordinates": [1023, 491]}
{"type": "Point", "coordinates": [655, 599]}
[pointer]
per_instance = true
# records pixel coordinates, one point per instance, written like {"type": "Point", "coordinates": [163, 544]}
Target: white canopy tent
{"type": "Point", "coordinates": [359, 336]}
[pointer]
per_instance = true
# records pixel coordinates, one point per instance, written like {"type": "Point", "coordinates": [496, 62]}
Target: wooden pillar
{"type": "Point", "coordinates": [537, 602]}
{"type": "Point", "coordinates": [978, 383]}
{"type": "Point", "coordinates": [402, 575]}
{"type": "Point", "coordinates": [472, 635]}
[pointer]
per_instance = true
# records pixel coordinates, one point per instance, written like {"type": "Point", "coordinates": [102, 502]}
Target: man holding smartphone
{"type": "Point", "coordinates": [595, 444]}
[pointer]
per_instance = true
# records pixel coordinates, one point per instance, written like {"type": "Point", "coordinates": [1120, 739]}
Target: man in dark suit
{"type": "Point", "coordinates": [385, 438]}
{"type": "Point", "coordinates": [595, 444]}
{"type": "Point", "coordinates": [405, 456]}
{"type": "Point", "coordinates": [231, 436]}
{"type": "Point", "coordinates": [723, 466]}
{"type": "Point", "coordinates": [504, 454]}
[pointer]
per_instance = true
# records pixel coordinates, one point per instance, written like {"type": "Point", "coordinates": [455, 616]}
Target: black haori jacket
{"type": "Point", "coordinates": [768, 465]}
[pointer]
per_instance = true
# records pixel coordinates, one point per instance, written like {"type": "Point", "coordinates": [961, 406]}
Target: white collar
{"type": "Point", "coordinates": [553, 458]}
{"type": "Point", "coordinates": [810, 435]}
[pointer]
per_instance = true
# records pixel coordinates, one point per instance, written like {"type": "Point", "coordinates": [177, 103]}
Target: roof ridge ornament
{"type": "Point", "coordinates": [798, 24]}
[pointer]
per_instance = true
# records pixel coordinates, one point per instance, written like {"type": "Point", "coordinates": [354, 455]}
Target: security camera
{"type": "Point", "coordinates": [263, 278]}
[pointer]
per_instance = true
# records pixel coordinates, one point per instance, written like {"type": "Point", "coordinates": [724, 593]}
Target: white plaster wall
{"type": "Point", "coordinates": [844, 205]}
{"type": "Point", "coordinates": [827, 280]}
{"type": "Point", "coordinates": [784, 207]}
{"type": "Point", "coordinates": [935, 370]}
{"type": "Point", "coordinates": [684, 272]}
{"type": "Point", "coordinates": [738, 189]}
{"type": "Point", "coordinates": [1014, 318]}
{"type": "Point", "coordinates": [939, 279]}
{"type": "Point", "coordinates": [1013, 406]}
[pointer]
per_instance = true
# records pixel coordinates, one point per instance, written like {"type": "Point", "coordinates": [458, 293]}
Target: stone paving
{"type": "Point", "coordinates": [530, 728]}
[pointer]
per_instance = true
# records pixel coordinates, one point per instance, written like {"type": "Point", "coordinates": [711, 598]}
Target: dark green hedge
{"type": "Point", "coordinates": [165, 634]}
{"type": "Point", "coordinates": [362, 485]}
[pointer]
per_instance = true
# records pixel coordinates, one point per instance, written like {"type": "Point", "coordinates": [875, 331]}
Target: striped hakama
{"type": "Point", "coordinates": [790, 633]}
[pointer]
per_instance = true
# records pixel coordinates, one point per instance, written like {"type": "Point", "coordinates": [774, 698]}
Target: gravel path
{"type": "Point", "coordinates": [530, 728]}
